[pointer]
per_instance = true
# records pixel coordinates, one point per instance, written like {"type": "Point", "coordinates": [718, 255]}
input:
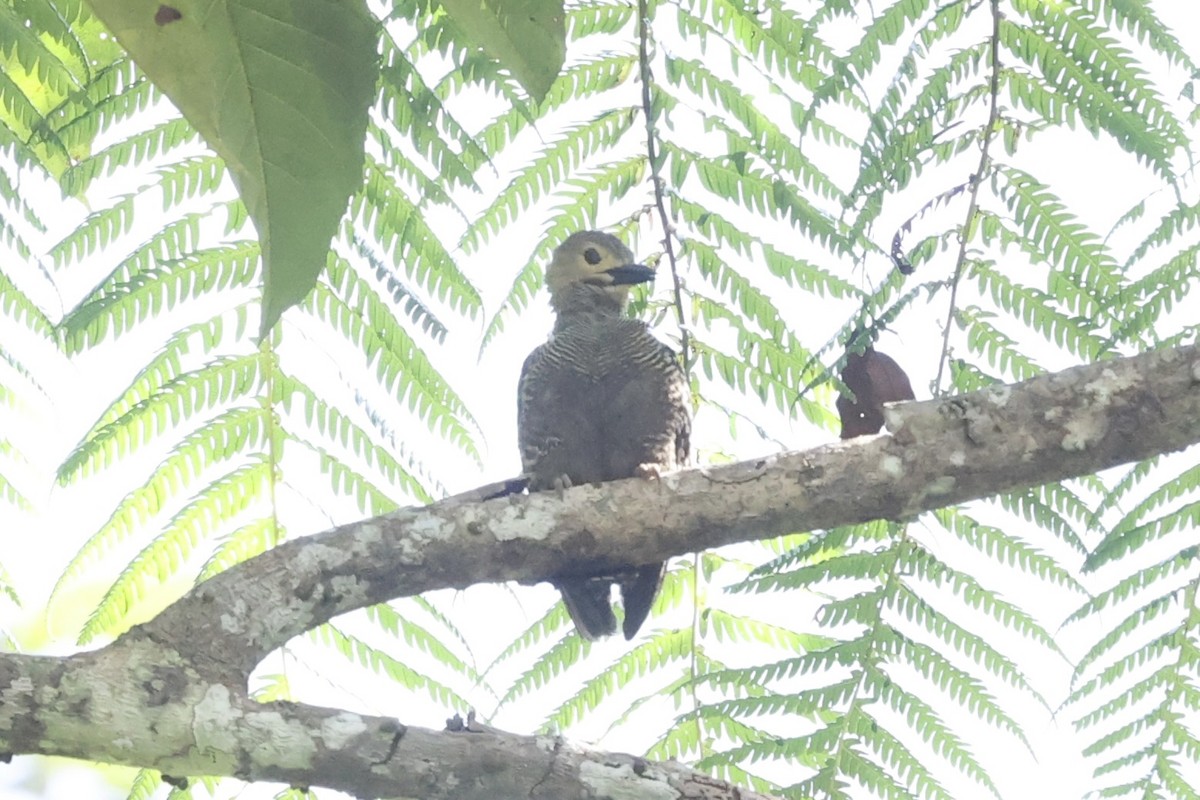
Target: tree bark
{"type": "Point", "coordinates": [171, 694]}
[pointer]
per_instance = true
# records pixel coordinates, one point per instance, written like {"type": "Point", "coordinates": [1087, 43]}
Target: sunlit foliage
{"type": "Point", "coordinates": [990, 189]}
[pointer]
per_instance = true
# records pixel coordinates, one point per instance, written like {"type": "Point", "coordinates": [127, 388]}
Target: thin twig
{"type": "Point", "coordinates": [973, 207]}
{"type": "Point", "coordinates": [652, 155]}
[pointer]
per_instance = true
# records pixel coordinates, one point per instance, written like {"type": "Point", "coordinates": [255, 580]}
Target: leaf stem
{"type": "Point", "coordinates": [652, 156]}
{"type": "Point", "coordinates": [975, 182]}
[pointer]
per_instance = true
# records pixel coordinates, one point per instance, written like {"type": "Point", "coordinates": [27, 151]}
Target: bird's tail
{"type": "Point", "coordinates": [587, 601]}
{"type": "Point", "coordinates": [639, 587]}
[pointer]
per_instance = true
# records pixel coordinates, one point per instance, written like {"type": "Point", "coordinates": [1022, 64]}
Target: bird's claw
{"type": "Point", "coordinates": [648, 471]}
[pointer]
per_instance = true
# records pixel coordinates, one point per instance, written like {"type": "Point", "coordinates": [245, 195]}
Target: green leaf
{"type": "Point", "coordinates": [528, 37]}
{"type": "Point", "coordinates": [281, 92]}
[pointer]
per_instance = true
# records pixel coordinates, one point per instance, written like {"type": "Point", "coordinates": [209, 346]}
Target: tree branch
{"type": "Point", "coordinates": [171, 695]}
{"type": "Point", "coordinates": [123, 706]}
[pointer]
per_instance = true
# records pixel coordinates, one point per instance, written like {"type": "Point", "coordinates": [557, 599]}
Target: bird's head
{"type": "Point", "coordinates": [593, 268]}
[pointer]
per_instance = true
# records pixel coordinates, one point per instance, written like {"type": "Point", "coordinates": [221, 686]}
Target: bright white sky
{"type": "Point", "coordinates": [490, 615]}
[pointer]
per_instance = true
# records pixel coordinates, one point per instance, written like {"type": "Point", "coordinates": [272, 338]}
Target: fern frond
{"type": "Point", "coordinates": [1167, 600]}
{"type": "Point", "coordinates": [132, 151]}
{"type": "Point", "coordinates": [345, 481]}
{"type": "Point", "coordinates": [976, 596]}
{"type": "Point", "coordinates": [409, 477]}
{"type": "Point", "coordinates": [342, 277]}
{"type": "Point", "coordinates": [1140, 20]}
{"type": "Point", "coordinates": [390, 620]}
{"type": "Point", "coordinates": [1001, 350]}
{"type": "Point", "coordinates": [98, 231]}
{"type": "Point", "coordinates": [961, 640]}
{"type": "Point", "coordinates": [1000, 547]}
{"type": "Point", "coordinates": [762, 136]}
{"type": "Point", "coordinates": [144, 785]}
{"type": "Point", "coordinates": [419, 116]}
{"type": "Point", "coordinates": [159, 561]}
{"type": "Point", "coordinates": [355, 650]}
{"type": "Point", "coordinates": [929, 725]}
{"type": "Point", "coordinates": [892, 752]}
{"type": "Point", "coordinates": [398, 226]}
{"type": "Point", "coordinates": [1053, 507]}
{"type": "Point", "coordinates": [149, 292]}
{"type": "Point", "coordinates": [400, 366]}
{"type": "Point", "coordinates": [1158, 574]}
{"type": "Point", "coordinates": [1078, 257]}
{"type": "Point", "coordinates": [737, 180]}
{"type": "Point", "coordinates": [220, 382]}
{"type": "Point", "coordinates": [229, 435]}
{"type": "Point", "coordinates": [967, 691]}
{"type": "Point", "coordinates": [539, 631]}
{"type": "Point", "coordinates": [198, 340]}
{"type": "Point", "coordinates": [245, 543]}
{"type": "Point", "coordinates": [797, 272]}
{"type": "Point", "coordinates": [650, 656]}
{"type": "Point", "coordinates": [1084, 62]}
{"type": "Point", "coordinates": [1127, 538]}
{"type": "Point", "coordinates": [587, 78]}
{"type": "Point", "coordinates": [553, 164]}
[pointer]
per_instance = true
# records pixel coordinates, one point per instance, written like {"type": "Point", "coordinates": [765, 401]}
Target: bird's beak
{"type": "Point", "coordinates": [630, 274]}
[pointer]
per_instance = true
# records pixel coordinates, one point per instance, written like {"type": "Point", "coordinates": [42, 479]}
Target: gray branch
{"type": "Point", "coordinates": [171, 694]}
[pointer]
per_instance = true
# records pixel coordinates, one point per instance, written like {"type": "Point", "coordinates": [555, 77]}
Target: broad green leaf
{"type": "Point", "coordinates": [526, 36]}
{"type": "Point", "coordinates": [281, 91]}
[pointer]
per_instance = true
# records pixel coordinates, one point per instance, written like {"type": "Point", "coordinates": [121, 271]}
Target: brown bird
{"type": "Point", "coordinates": [601, 400]}
{"type": "Point", "coordinates": [875, 378]}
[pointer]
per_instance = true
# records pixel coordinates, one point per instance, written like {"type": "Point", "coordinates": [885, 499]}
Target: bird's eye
{"type": "Point", "coordinates": [592, 256]}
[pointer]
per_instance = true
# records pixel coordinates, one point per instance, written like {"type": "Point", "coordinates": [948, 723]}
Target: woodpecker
{"type": "Point", "coordinates": [602, 399]}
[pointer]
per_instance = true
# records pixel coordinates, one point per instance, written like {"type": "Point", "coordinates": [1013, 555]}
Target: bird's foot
{"type": "Point", "coordinates": [561, 483]}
